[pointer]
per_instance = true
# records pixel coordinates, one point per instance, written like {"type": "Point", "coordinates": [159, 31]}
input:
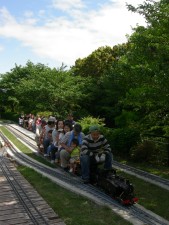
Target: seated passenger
{"type": "Point", "coordinates": [57, 134]}
{"type": "Point", "coordinates": [67, 128]}
{"type": "Point", "coordinates": [75, 155]}
{"type": "Point", "coordinates": [47, 141]}
{"type": "Point", "coordinates": [70, 119]}
{"type": "Point", "coordinates": [39, 134]}
{"type": "Point", "coordinates": [21, 120]}
{"type": "Point", "coordinates": [65, 153]}
{"type": "Point", "coordinates": [94, 144]}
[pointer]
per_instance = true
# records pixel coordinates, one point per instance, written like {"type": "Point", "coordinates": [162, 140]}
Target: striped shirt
{"type": "Point", "coordinates": [89, 145]}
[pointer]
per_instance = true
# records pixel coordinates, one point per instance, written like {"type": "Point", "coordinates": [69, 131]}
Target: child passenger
{"type": "Point", "coordinates": [74, 155]}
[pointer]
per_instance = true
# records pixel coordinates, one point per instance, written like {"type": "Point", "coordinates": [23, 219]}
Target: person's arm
{"type": "Point", "coordinates": [63, 142]}
{"type": "Point", "coordinates": [106, 146]}
{"type": "Point", "coordinates": [85, 147]}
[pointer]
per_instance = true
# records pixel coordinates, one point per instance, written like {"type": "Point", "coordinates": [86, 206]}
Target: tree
{"type": "Point", "coordinates": [39, 88]}
{"type": "Point", "coordinates": [147, 63]}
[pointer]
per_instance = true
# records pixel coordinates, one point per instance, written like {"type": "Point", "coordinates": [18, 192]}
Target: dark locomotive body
{"type": "Point", "coordinates": [115, 186]}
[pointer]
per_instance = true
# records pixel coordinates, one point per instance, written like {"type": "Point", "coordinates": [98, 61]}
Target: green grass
{"type": "Point", "coordinates": [24, 148]}
{"type": "Point", "coordinates": [150, 196]}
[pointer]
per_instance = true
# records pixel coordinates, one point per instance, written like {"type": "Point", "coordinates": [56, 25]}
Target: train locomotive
{"type": "Point", "coordinates": [116, 186]}
{"type": "Point", "coordinates": [112, 184]}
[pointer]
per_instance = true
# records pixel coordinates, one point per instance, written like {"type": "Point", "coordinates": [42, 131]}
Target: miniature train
{"type": "Point", "coordinates": [116, 186]}
{"type": "Point", "coordinates": [112, 184]}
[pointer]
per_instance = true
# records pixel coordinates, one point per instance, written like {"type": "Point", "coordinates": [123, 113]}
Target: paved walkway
{"type": "Point", "coordinates": [12, 211]}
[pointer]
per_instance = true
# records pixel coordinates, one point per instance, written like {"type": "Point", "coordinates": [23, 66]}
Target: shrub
{"type": "Point", "coordinates": [143, 151]}
{"type": "Point", "coordinates": [123, 139]}
{"type": "Point", "coordinates": [10, 116]}
{"type": "Point", "coordinates": [86, 122]}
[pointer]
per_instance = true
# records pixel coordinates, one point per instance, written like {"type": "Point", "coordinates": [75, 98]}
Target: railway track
{"type": "Point", "coordinates": [135, 214]}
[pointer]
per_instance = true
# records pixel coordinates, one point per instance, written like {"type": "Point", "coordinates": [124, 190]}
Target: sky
{"type": "Point", "coordinates": [53, 32]}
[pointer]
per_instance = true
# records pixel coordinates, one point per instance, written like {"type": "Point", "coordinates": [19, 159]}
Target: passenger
{"type": "Point", "coordinates": [70, 119]}
{"type": "Point", "coordinates": [57, 134]}
{"type": "Point", "coordinates": [39, 134]}
{"type": "Point", "coordinates": [21, 120]}
{"type": "Point", "coordinates": [25, 122]}
{"type": "Point", "coordinates": [42, 135]}
{"type": "Point", "coordinates": [67, 128]}
{"type": "Point", "coordinates": [93, 144]}
{"type": "Point", "coordinates": [75, 155]}
{"type": "Point", "coordinates": [66, 144]}
{"type": "Point", "coordinates": [34, 123]}
{"type": "Point", "coordinates": [30, 122]}
{"type": "Point", "coordinates": [47, 141]}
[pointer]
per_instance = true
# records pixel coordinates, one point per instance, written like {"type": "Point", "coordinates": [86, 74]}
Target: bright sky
{"type": "Point", "coordinates": [53, 32]}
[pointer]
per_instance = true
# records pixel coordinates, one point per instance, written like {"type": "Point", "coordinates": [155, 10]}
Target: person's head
{"type": "Point", "coordinates": [77, 128]}
{"type": "Point", "coordinates": [74, 143]}
{"type": "Point", "coordinates": [59, 124]}
{"type": "Point", "coordinates": [94, 132]}
{"type": "Point", "coordinates": [50, 133]}
{"type": "Point", "coordinates": [51, 121]}
{"type": "Point", "coordinates": [70, 116]}
{"type": "Point", "coordinates": [43, 122]}
{"type": "Point", "coordinates": [67, 127]}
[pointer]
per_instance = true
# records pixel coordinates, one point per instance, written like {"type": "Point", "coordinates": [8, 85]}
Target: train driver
{"type": "Point", "coordinates": [93, 143]}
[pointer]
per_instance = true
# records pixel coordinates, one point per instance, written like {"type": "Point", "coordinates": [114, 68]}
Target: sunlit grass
{"type": "Point", "coordinates": [23, 148]}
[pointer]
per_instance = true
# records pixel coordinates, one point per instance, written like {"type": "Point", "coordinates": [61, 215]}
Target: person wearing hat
{"type": "Point", "coordinates": [94, 144]}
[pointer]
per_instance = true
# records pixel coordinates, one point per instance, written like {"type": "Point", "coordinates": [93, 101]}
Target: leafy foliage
{"type": "Point", "coordinates": [123, 139]}
{"type": "Point", "coordinates": [86, 122]}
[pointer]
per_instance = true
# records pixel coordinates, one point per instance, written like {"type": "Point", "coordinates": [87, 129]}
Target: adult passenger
{"type": "Point", "coordinates": [70, 119]}
{"type": "Point", "coordinates": [93, 144]}
{"type": "Point", "coordinates": [57, 134]}
{"type": "Point", "coordinates": [50, 126]}
{"type": "Point", "coordinates": [65, 153]}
